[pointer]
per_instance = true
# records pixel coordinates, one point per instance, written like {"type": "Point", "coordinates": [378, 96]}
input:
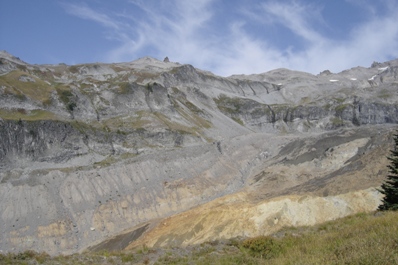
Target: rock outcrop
{"type": "Point", "coordinates": [88, 152]}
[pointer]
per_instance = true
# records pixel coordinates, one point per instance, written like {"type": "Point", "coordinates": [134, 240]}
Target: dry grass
{"type": "Point", "coordinates": [359, 239]}
{"type": "Point", "coordinates": [177, 127]}
{"type": "Point", "coordinates": [138, 120]}
{"type": "Point", "coordinates": [27, 115]}
{"type": "Point", "coordinates": [38, 90]}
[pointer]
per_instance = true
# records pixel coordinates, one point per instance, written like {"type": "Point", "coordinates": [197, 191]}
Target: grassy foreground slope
{"type": "Point", "coordinates": [359, 239]}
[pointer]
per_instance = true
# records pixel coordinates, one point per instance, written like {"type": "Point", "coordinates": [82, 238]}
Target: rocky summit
{"type": "Point", "coordinates": [114, 156]}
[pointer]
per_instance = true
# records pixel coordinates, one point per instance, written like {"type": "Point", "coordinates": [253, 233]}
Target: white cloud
{"type": "Point", "coordinates": [85, 12]}
{"type": "Point", "coordinates": [166, 30]}
{"type": "Point", "coordinates": [374, 39]}
{"type": "Point", "coordinates": [297, 17]}
{"type": "Point", "coordinates": [244, 55]}
{"type": "Point", "coordinates": [186, 31]}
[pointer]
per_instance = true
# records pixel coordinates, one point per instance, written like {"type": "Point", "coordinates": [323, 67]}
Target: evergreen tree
{"type": "Point", "coordinates": [390, 187]}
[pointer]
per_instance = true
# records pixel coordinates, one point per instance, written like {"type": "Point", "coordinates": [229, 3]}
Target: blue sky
{"type": "Point", "coordinates": [223, 36]}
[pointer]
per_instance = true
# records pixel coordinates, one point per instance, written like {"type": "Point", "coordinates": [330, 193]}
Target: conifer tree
{"type": "Point", "coordinates": [390, 187]}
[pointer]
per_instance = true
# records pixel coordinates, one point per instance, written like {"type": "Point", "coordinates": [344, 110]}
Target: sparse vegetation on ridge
{"type": "Point", "coordinates": [229, 105]}
{"type": "Point", "coordinates": [29, 115]}
{"type": "Point", "coordinates": [337, 122]}
{"type": "Point", "coordinates": [37, 90]}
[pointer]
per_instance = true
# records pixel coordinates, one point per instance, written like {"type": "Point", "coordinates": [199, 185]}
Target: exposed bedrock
{"type": "Point", "coordinates": [263, 117]}
{"type": "Point", "coordinates": [67, 210]}
{"type": "Point", "coordinates": [93, 153]}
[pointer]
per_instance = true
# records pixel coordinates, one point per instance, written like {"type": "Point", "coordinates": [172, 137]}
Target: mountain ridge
{"type": "Point", "coordinates": [91, 150]}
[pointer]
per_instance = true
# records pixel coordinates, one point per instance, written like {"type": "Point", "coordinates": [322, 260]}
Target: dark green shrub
{"type": "Point", "coordinates": [390, 187]}
{"type": "Point", "coordinates": [67, 98]}
{"type": "Point", "coordinates": [71, 106]}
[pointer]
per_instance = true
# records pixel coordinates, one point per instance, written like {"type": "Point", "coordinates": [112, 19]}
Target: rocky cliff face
{"type": "Point", "coordinates": [89, 151]}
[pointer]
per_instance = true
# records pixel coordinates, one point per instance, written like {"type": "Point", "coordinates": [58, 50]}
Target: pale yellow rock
{"type": "Point", "coordinates": [53, 230]}
{"type": "Point", "coordinates": [231, 216]}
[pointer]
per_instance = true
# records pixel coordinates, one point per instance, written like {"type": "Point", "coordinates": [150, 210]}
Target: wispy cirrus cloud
{"type": "Point", "coordinates": [375, 37]}
{"type": "Point", "coordinates": [237, 38]}
{"type": "Point", "coordinates": [85, 12]}
{"type": "Point", "coordinates": [178, 29]}
{"type": "Point", "coordinates": [297, 17]}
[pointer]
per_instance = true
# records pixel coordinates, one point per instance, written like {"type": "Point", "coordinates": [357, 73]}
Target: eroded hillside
{"type": "Point", "coordinates": [92, 151]}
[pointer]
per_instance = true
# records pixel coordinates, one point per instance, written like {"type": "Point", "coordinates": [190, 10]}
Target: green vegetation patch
{"type": "Point", "coordinates": [191, 113]}
{"type": "Point", "coordinates": [123, 88]}
{"type": "Point", "coordinates": [93, 127]}
{"type": "Point", "coordinates": [179, 96]}
{"type": "Point", "coordinates": [142, 76]}
{"type": "Point", "coordinates": [45, 74]}
{"type": "Point", "coordinates": [37, 90]}
{"type": "Point", "coordinates": [337, 121]}
{"type": "Point", "coordinates": [282, 108]}
{"type": "Point", "coordinates": [27, 115]}
{"type": "Point", "coordinates": [305, 100]}
{"type": "Point", "coordinates": [341, 108]}
{"type": "Point", "coordinates": [339, 100]}
{"type": "Point", "coordinates": [74, 69]}
{"type": "Point", "coordinates": [229, 105]}
{"type": "Point", "coordinates": [384, 94]}
{"type": "Point", "coordinates": [177, 127]}
{"type": "Point", "coordinates": [66, 97]}
{"type": "Point", "coordinates": [240, 108]}
{"type": "Point", "coordinates": [125, 124]}
{"type": "Point", "coordinates": [327, 107]}
{"type": "Point", "coordinates": [236, 119]}
{"type": "Point", "coordinates": [264, 247]}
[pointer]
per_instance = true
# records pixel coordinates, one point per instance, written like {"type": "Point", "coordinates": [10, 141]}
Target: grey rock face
{"type": "Point", "coordinates": [9, 63]}
{"type": "Point", "coordinates": [37, 140]}
{"type": "Point", "coordinates": [88, 151]}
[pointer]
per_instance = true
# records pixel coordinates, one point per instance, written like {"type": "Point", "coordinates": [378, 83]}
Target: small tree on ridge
{"type": "Point", "coordinates": [390, 187]}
